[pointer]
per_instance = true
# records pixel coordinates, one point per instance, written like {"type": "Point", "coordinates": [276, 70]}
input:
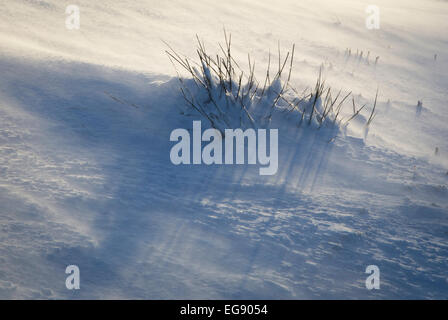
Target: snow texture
{"type": "Point", "coordinates": [86, 178]}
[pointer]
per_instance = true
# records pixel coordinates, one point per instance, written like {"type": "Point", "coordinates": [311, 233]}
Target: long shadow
{"type": "Point", "coordinates": [148, 217]}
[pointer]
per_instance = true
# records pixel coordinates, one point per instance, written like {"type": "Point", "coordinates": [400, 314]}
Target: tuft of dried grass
{"type": "Point", "coordinates": [222, 92]}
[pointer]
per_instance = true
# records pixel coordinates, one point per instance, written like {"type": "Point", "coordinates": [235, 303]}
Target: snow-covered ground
{"type": "Point", "coordinates": [86, 178]}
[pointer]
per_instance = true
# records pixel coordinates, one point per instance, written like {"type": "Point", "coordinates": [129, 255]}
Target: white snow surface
{"type": "Point", "coordinates": [86, 178]}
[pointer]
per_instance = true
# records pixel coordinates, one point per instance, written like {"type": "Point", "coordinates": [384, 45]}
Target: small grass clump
{"type": "Point", "coordinates": [230, 97]}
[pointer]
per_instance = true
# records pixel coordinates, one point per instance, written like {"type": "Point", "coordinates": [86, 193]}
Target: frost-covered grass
{"type": "Point", "coordinates": [229, 96]}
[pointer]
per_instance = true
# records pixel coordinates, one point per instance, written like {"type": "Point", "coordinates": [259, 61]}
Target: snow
{"type": "Point", "coordinates": [86, 178]}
